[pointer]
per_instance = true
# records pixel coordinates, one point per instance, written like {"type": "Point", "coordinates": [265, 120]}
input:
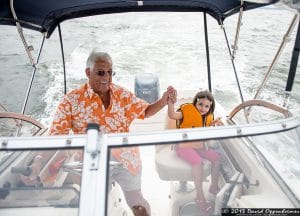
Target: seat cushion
{"type": "Point", "coordinates": [172, 168]}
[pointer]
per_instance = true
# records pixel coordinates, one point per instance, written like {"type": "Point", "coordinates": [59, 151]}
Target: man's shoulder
{"type": "Point", "coordinates": [117, 89]}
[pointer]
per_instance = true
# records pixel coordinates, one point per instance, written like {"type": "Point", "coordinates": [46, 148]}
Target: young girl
{"type": "Point", "coordinates": [198, 114]}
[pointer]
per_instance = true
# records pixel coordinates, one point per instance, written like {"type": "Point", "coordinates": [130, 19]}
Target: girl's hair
{"type": "Point", "coordinates": [205, 94]}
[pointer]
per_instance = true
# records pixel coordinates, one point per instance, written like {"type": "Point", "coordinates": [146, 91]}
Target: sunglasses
{"type": "Point", "coordinates": [102, 73]}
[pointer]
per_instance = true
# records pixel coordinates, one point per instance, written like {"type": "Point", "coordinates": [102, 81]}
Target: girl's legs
{"type": "Point", "coordinates": [193, 158]}
{"type": "Point", "coordinates": [197, 171]}
{"type": "Point", "coordinates": [214, 158]}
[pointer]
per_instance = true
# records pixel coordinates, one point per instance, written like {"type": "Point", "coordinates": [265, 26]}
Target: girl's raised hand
{"type": "Point", "coordinates": [172, 95]}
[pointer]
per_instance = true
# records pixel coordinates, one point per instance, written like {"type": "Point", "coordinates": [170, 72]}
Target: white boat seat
{"type": "Point", "coordinates": [172, 168]}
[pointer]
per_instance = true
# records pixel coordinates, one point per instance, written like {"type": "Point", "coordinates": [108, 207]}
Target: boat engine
{"type": "Point", "coordinates": [146, 87]}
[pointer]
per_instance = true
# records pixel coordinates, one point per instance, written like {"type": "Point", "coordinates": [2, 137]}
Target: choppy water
{"type": "Point", "coordinates": [170, 45]}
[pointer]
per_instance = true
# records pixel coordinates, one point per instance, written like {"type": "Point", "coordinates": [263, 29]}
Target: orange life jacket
{"type": "Point", "coordinates": [192, 118]}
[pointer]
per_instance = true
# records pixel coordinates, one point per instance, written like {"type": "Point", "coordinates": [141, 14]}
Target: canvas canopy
{"type": "Point", "coordinates": [45, 15]}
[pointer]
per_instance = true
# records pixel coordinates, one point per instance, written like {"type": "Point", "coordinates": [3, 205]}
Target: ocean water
{"type": "Point", "coordinates": [170, 45]}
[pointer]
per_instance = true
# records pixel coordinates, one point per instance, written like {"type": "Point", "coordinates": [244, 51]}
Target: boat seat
{"type": "Point", "coordinates": [169, 166]}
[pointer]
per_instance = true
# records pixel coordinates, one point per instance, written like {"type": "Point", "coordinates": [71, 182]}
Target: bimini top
{"type": "Point", "coordinates": [45, 15]}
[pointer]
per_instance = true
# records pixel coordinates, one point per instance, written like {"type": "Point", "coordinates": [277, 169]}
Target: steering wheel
{"type": "Point", "coordinates": [262, 103]}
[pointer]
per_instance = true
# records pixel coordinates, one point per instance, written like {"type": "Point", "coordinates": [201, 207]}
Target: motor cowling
{"type": "Point", "coordinates": [146, 87]}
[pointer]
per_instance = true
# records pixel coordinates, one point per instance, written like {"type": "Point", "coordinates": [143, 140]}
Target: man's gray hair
{"type": "Point", "coordinates": [96, 56]}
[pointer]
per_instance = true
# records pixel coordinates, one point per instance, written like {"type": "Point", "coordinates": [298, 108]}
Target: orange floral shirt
{"type": "Point", "coordinates": [82, 106]}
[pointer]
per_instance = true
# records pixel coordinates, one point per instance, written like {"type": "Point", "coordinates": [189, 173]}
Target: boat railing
{"type": "Point", "coordinates": [152, 137]}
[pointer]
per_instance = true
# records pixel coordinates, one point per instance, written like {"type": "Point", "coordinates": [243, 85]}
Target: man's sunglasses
{"type": "Point", "coordinates": [102, 73]}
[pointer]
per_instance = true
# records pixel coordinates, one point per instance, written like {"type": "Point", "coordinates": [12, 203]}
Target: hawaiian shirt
{"type": "Point", "coordinates": [82, 106]}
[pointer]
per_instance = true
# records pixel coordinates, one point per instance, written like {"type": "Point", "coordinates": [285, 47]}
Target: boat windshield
{"type": "Point", "coordinates": [257, 171]}
{"type": "Point", "coordinates": [40, 179]}
{"type": "Point", "coordinates": [282, 151]}
{"type": "Point", "coordinates": [268, 166]}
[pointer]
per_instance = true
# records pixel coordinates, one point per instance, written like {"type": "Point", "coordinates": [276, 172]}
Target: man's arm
{"type": "Point", "coordinates": [159, 104]}
{"type": "Point", "coordinates": [155, 107]}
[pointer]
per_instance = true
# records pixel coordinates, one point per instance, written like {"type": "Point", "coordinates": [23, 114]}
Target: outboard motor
{"type": "Point", "coordinates": [146, 87]}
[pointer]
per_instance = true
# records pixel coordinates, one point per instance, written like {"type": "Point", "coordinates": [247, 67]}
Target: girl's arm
{"type": "Point", "coordinates": [172, 113]}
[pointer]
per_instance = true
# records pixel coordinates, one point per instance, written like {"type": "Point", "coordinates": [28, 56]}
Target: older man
{"type": "Point", "coordinates": [113, 108]}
